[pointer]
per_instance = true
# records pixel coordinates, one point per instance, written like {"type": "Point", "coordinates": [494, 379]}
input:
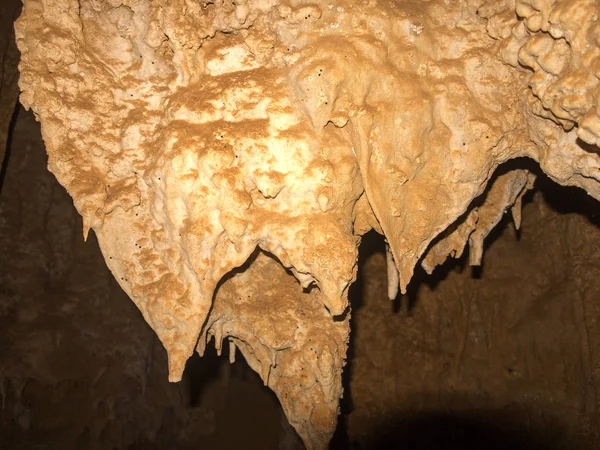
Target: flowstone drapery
{"type": "Point", "coordinates": [230, 155]}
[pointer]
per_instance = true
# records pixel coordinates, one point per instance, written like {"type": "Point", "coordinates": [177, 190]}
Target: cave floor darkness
{"type": "Point", "coordinates": [504, 357]}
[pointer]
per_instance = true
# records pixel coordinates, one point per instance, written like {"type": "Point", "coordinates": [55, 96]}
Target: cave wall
{"type": "Point", "coordinates": [511, 348]}
{"type": "Point", "coordinates": [79, 367]}
{"type": "Point", "coordinates": [9, 73]}
{"type": "Point", "coordinates": [507, 355]}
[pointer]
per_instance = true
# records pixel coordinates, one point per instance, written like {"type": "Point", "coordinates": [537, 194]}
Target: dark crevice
{"type": "Point", "coordinates": [9, 140]}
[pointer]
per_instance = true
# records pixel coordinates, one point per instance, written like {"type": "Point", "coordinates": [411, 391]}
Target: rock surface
{"type": "Point", "coordinates": [192, 134]}
{"type": "Point", "coordinates": [81, 368]}
{"type": "Point", "coordinates": [506, 359]}
{"type": "Point", "coordinates": [9, 75]}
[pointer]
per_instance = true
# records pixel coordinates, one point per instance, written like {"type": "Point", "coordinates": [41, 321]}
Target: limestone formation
{"type": "Point", "coordinates": [230, 155]}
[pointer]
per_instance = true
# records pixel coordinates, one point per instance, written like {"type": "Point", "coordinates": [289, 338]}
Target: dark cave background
{"type": "Point", "coordinates": [506, 356]}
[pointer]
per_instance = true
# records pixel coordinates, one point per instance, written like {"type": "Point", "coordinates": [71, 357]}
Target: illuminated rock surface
{"type": "Point", "coordinates": [190, 135]}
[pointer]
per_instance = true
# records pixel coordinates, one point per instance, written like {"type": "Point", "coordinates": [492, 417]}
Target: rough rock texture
{"type": "Point", "coordinates": [189, 134]}
{"type": "Point", "coordinates": [506, 359]}
{"type": "Point", "coordinates": [560, 41]}
{"type": "Point", "coordinates": [9, 75]}
{"type": "Point", "coordinates": [79, 367]}
{"type": "Point", "coordinates": [296, 350]}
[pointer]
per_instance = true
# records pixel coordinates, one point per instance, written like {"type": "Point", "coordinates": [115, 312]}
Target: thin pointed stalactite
{"type": "Point", "coordinates": [259, 140]}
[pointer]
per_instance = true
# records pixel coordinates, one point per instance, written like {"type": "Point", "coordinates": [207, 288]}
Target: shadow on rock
{"type": "Point", "coordinates": [443, 431]}
{"type": "Point", "coordinates": [465, 430]}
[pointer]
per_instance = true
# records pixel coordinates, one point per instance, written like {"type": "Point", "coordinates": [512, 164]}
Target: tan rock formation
{"type": "Point", "coordinates": [192, 134]}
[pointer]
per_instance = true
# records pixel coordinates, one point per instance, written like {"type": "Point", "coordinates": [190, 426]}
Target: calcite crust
{"type": "Point", "coordinates": [230, 155]}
